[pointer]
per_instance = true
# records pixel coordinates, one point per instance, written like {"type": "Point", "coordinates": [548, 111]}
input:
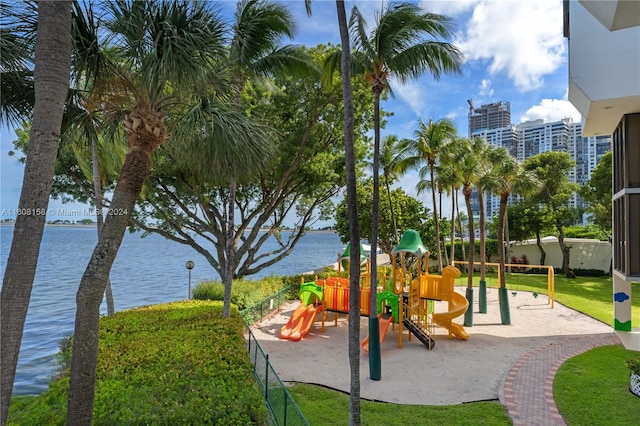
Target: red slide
{"type": "Point", "coordinates": [384, 326]}
{"type": "Point", "coordinates": [300, 322]}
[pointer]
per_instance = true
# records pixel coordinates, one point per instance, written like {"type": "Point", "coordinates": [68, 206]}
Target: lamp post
{"type": "Point", "coordinates": [189, 265]}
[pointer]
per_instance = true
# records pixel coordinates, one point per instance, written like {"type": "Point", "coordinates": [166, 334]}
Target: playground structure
{"type": "Point", "coordinates": [409, 302]}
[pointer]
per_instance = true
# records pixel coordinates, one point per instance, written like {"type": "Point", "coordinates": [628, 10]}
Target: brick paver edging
{"type": "Point", "coordinates": [528, 388]}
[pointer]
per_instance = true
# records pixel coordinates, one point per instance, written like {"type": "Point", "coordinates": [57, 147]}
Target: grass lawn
{"type": "Point", "coordinates": [322, 406]}
{"type": "Point", "coordinates": [593, 388]}
{"type": "Point", "coordinates": [588, 389]}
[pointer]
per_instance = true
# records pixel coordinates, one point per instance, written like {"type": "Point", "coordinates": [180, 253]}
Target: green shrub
{"type": "Point", "coordinates": [590, 272]}
{"type": "Point", "coordinates": [244, 293]}
{"type": "Point", "coordinates": [208, 290]}
{"type": "Point", "coordinates": [177, 363]}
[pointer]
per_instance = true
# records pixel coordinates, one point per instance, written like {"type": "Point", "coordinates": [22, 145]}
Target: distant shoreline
{"type": "Point", "coordinates": [93, 225]}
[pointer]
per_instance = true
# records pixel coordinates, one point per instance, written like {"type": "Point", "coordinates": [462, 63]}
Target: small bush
{"type": "Point", "coordinates": [244, 293]}
{"type": "Point", "coordinates": [208, 290]}
{"type": "Point", "coordinates": [590, 273]}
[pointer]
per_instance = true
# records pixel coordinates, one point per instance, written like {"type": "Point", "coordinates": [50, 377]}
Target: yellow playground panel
{"type": "Point", "coordinates": [551, 286]}
{"type": "Point", "coordinates": [419, 289]}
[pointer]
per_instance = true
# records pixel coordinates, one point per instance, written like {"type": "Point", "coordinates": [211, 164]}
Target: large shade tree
{"type": "Point", "coordinates": [52, 64]}
{"type": "Point", "coordinates": [306, 172]}
{"type": "Point", "coordinates": [597, 193]}
{"type": "Point", "coordinates": [551, 169]}
{"type": "Point", "coordinates": [255, 52]}
{"type": "Point", "coordinates": [160, 65]}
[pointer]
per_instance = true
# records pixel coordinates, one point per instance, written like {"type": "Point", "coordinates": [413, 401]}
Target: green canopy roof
{"type": "Point", "coordinates": [347, 254]}
{"type": "Point", "coordinates": [411, 243]}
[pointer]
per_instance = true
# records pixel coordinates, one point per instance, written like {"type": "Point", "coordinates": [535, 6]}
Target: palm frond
{"type": "Point", "coordinates": [216, 140]}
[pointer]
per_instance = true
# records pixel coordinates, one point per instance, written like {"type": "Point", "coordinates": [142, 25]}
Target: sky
{"type": "Point", "coordinates": [514, 51]}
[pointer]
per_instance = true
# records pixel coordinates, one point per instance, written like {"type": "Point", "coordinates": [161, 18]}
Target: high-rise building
{"type": "Point", "coordinates": [490, 116]}
{"type": "Point", "coordinates": [533, 137]}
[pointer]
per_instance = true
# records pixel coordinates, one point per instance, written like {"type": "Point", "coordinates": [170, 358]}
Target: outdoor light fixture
{"type": "Point", "coordinates": [189, 265]}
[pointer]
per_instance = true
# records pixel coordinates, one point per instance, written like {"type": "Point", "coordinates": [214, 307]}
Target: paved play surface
{"type": "Point", "coordinates": [454, 372]}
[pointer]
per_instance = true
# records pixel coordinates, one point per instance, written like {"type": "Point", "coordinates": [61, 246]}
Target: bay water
{"type": "Point", "coordinates": [147, 271]}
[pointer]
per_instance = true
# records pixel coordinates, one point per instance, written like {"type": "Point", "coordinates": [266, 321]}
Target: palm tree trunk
{"type": "Point", "coordinates": [435, 219]}
{"type": "Point", "coordinates": [505, 314]}
{"type": "Point", "coordinates": [51, 84]}
{"type": "Point", "coordinates": [393, 215]}
{"type": "Point", "coordinates": [93, 283]}
{"type": "Point", "coordinates": [468, 316]}
{"type": "Point", "coordinates": [97, 201]}
{"type": "Point", "coordinates": [352, 207]}
{"type": "Point", "coordinates": [375, 368]}
{"type": "Point", "coordinates": [464, 255]}
{"type": "Point", "coordinates": [482, 292]}
{"type": "Point", "coordinates": [453, 226]}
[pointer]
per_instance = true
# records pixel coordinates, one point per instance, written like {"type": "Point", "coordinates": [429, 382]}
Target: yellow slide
{"type": "Point", "coordinates": [457, 306]}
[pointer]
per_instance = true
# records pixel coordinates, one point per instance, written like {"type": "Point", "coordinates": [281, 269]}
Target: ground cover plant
{"type": "Point", "coordinates": [176, 363]}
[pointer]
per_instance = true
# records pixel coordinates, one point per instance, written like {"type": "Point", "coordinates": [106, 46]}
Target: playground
{"type": "Point", "coordinates": [453, 372]}
{"type": "Point", "coordinates": [428, 356]}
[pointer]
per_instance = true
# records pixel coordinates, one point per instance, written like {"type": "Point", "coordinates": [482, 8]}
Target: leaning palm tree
{"type": "Point", "coordinates": [405, 43]}
{"type": "Point", "coordinates": [510, 178]}
{"type": "Point", "coordinates": [423, 152]}
{"type": "Point", "coordinates": [52, 65]}
{"type": "Point", "coordinates": [161, 55]}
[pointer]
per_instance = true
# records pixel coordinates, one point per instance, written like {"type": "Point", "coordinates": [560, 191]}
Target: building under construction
{"type": "Point", "coordinates": [491, 116]}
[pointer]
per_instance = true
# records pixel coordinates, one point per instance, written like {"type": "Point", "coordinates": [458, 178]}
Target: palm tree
{"type": "Point", "coordinates": [449, 179]}
{"type": "Point", "coordinates": [159, 78]}
{"type": "Point", "coordinates": [403, 44]}
{"type": "Point", "coordinates": [468, 167]}
{"type": "Point", "coordinates": [52, 63]}
{"type": "Point", "coordinates": [389, 158]}
{"type": "Point", "coordinates": [490, 157]}
{"type": "Point", "coordinates": [425, 149]}
{"type": "Point", "coordinates": [510, 177]}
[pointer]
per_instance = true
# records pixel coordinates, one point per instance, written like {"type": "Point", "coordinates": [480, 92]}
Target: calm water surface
{"type": "Point", "coordinates": [146, 271]}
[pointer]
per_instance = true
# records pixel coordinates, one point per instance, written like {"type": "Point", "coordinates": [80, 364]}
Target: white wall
{"type": "Point", "coordinates": [584, 254]}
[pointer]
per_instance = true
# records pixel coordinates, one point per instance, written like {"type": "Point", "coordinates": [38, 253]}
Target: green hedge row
{"type": "Point", "coordinates": [176, 363]}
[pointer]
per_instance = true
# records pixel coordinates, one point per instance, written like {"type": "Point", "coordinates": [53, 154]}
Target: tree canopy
{"type": "Point", "coordinates": [296, 186]}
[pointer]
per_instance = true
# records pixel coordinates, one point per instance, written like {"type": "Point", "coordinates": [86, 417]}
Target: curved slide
{"type": "Point", "coordinates": [457, 306]}
{"type": "Point", "coordinates": [385, 320]}
{"type": "Point", "coordinates": [300, 322]}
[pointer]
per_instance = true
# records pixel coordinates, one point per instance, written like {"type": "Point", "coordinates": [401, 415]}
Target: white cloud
{"type": "Point", "coordinates": [551, 110]}
{"type": "Point", "coordinates": [520, 38]}
{"type": "Point", "coordinates": [485, 88]}
{"type": "Point", "coordinates": [448, 7]}
{"type": "Point", "coordinates": [412, 93]}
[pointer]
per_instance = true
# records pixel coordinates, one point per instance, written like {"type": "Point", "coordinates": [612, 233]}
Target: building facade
{"type": "Point", "coordinates": [604, 65]}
